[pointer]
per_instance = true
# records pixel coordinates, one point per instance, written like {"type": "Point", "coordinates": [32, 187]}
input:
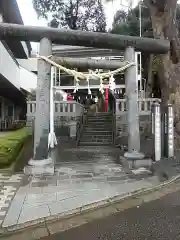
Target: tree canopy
{"type": "Point", "coordinates": [127, 22]}
{"type": "Point", "coordinates": [73, 14]}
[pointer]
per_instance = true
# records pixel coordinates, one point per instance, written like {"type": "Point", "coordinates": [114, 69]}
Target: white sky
{"type": "Point", "coordinates": [30, 18]}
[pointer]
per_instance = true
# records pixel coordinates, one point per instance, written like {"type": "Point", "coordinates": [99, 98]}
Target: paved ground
{"type": "Point", "coordinates": [83, 176]}
{"type": "Point", "coordinates": [8, 187]}
{"type": "Point", "coordinates": [159, 219]}
{"type": "Point", "coordinates": [32, 203]}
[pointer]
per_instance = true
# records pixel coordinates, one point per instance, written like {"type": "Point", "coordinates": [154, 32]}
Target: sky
{"type": "Point", "coordinates": [29, 15]}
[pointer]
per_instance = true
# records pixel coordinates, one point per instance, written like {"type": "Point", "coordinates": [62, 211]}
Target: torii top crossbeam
{"type": "Point", "coordinates": [82, 38]}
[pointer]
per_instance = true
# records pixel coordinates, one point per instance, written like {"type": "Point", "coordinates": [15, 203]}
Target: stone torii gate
{"type": "Point", "coordinates": [46, 36]}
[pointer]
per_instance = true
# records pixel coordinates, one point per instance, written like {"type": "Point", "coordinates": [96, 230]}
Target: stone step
{"type": "Point", "coordinates": [99, 119]}
{"type": "Point", "coordinates": [96, 138]}
{"type": "Point", "coordinates": [92, 131]}
{"type": "Point", "coordinates": [95, 143]}
{"type": "Point", "coordinates": [98, 125]}
{"type": "Point", "coordinates": [108, 176]}
{"type": "Point", "coordinates": [97, 132]}
{"type": "Point", "coordinates": [100, 114]}
{"type": "Point", "coordinates": [98, 129]}
{"type": "Point", "coordinates": [100, 137]}
{"type": "Point", "coordinates": [99, 122]}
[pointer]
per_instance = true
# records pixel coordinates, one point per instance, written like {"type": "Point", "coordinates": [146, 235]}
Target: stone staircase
{"type": "Point", "coordinates": [98, 130]}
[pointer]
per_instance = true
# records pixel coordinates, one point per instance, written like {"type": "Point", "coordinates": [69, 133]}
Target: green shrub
{"type": "Point", "coordinates": [10, 146]}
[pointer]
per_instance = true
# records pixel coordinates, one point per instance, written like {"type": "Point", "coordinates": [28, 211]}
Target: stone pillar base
{"type": "Point", "coordinates": [134, 155]}
{"type": "Point", "coordinates": [139, 163]}
{"type": "Point", "coordinates": [130, 164]}
{"type": "Point", "coordinates": [40, 167]}
{"type": "Point", "coordinates": [137, 160]}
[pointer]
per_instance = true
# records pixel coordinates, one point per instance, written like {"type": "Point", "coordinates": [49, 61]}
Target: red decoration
{"type": "Point", "coordinates": [106, 99]}
{"type": "Point", "coordinates": [69, 97]}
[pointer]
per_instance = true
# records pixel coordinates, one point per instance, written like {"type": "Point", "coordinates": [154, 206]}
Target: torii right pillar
{"type": "Point", "coordinates": [131, 83]}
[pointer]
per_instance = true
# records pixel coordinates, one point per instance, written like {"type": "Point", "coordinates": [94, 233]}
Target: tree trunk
{"type": "Point", "coordinates": [164, 27]}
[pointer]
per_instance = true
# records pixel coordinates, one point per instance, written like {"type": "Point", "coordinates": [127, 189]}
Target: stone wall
{"type": "Point", "coordinates": [66, 116]}
{"type": "Point", "coordinates": [64, 126]}
{"type": "Point", "coordinates": [121, 127]}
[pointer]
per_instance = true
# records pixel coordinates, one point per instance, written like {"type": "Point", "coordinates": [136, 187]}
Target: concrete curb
{"type": "Point", "coordinates": [50, 225]}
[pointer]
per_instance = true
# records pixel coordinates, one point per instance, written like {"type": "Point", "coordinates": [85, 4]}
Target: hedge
{"type": "Point", "coordinates": [11, 145]}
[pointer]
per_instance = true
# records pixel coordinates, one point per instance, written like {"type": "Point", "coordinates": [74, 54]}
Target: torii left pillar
{"type": "Point", "coordinates": [131, 83]}
{"type": "Point", "coordinates": [41, 162]}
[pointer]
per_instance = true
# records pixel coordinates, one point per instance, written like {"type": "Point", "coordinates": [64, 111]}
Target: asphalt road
{"type": "Point", "coordinates": [159, 219]}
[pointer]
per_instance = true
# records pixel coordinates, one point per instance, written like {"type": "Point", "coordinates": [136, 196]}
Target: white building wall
{"type": "Point", "coordinates": [28, 80]}
{"type": "Point", "coordinates": [29, 64]}
{"type": "Point", "coordinates": [18, 76]}
{"type": "Point", "coordinates": [8, 67]}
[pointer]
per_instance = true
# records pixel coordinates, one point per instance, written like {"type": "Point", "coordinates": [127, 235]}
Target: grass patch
{"type": "Point", "coordinates": [11, 145]}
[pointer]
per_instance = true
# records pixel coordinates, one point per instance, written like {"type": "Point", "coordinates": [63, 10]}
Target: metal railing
{"type": "Point", "coordinates": [114, 128]}
{"type": "Point", "coordinates": [80, 125]}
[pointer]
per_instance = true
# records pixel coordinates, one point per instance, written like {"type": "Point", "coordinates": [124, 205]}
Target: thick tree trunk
{"type": "Point", "coordinates": [164, 27]}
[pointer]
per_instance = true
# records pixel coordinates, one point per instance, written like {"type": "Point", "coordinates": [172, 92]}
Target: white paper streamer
{"type": "Point", "coordinates": [77, 85]}
{"type": "Point", "coordinates": [101, 88]}
{"type": "Point", "coordinates": [112, 84]}
{"type": "Point", "coordinates": [89, 90]}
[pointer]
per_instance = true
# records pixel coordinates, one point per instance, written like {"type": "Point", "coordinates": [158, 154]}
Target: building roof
{"type": "Point", "coordinates": [11, 14]}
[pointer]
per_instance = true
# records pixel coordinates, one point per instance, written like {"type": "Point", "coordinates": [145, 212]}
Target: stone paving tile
{"type": "Point", "coordinates": [66, 205]}
{"type": "Point", "coordinates": [39, 199]}
{"type": "Point", "coordinates": [75, 183]}
{"type": "Point", "coordinates": [75, 202]}
{"type": "Point", "coordinates": [56, 208]}
{"type": "Point", "coordinates": [63, 196]}
{"type": "Point", "coordinates": [9, 184]}
{"type": "Point", "coordinates": [15, 209]}
{"type": "Point", "coordinates": [33, 213]}
{"type": "Point", "coordinates": [37, 196]}
{"type": "Point", "coordinates": [43, 202]}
